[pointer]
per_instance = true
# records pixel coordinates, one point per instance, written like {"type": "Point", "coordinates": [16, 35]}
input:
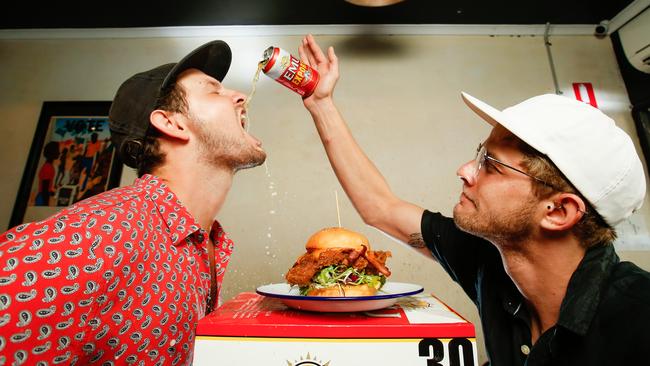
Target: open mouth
{"type": "Point", "coordinates": [243, 119]}
{"type": "Point", "coordinates": [245, 125]}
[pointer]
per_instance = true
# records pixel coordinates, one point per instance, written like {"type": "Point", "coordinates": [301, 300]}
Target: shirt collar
{"type": "Point", "coordinates": [583, 292]}
{"type": "Point", "coordinates": [180, 223]}
{"type": "Point", "coordinates": [585, 288]}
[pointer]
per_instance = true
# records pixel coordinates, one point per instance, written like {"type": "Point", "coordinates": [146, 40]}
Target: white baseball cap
{"type": "Point", "coordinates": [597, 157]}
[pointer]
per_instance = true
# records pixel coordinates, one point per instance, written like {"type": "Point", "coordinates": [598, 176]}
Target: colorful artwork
{"type": "Point", "coordinates": [72, 158]}
{"type": "Point", "coordinates": [75, 163]}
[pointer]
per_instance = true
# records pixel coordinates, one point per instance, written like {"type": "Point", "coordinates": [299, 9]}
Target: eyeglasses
{"type": "Point", "coordinates": [482, 156]}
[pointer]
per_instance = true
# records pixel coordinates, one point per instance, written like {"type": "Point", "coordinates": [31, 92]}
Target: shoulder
{"type": "Point", "coordinates": [632, 283]}
{"type": "Point", "coordinates": [434, 221]}
{"type": "Point", "coordinates": [108, 205]}
{"type": "Point", "coordinates": [438, 229]}
{"type": "Point", "coordinates": [78, 223]}
{"type": "Point", "coordinates": [624, 311]}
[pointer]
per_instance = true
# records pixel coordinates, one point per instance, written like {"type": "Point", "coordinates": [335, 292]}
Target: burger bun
{"type": "Point", "coordinates": [336, 237]}
{"type": "Point", "coordinates": [343, 291]}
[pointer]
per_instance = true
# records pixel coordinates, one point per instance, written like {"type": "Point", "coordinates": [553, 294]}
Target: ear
{"type": "Point", "coordinates": [170, 124]}
{"type": "Point", "coordinates": [562, 211]}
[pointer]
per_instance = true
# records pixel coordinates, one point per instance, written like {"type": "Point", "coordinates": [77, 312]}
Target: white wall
{"type": "Point", "coordinates": [400, 95]}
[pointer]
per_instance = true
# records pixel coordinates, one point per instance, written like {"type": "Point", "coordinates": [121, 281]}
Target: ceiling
{"type": "Point", "coordinates": [166, 13]}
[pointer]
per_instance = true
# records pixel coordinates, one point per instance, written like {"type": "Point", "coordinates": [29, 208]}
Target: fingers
{"type": "Point", "coordinates": [305, 53]}
{"type": "Point", "coordinates": [310, 54]}
{"type": "Point", "coordinates": [317, 53]}
{"type": "Point", "coordinates": [334, 61]}
{"type": "Point", "coordinates": [302, 53]}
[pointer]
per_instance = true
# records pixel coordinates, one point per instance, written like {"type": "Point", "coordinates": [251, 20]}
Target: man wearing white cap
{"type": "Point", "coordinates": [531, 238]}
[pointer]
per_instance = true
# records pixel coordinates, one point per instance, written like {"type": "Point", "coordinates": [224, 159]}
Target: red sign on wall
{"type": "Point", "coordinates": [585, 93]}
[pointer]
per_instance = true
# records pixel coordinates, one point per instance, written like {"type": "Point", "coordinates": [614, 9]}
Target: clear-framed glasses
{"type": "Point", "coordinates": [482, 155]}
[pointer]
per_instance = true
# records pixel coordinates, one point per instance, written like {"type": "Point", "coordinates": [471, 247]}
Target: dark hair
{"type": "Point", "coordinates": [51, 151]}
{"type": "Point", "coordinates": [592, 228]}
{"type": "Point", "coordinates": [171, 99]}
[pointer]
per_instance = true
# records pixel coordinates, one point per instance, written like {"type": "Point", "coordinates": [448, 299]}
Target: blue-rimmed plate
{"type": "Point", "coordinates": [387, 296]}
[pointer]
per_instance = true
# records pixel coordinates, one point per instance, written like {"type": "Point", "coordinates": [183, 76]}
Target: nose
{"type": "Point", "coordinates": [237, 97]}
{"type": "Point", "coordinates": [467, 173]}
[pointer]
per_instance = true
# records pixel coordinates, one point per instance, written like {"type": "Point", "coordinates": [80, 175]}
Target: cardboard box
{"type": "Point", "coordinates": [252, 329]}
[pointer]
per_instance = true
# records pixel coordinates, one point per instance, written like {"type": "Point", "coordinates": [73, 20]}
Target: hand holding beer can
{"type": "Point", "coordinates": [289, 71]}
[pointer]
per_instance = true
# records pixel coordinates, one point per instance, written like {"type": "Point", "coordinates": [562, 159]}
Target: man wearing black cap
{"type": "Point", "coordinates": [124, 277]}
{"type": "Point", "coordinates": [531, 239]}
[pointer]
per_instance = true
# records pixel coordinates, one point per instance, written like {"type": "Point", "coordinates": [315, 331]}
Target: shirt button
{"type": "Point", "coordinates": [525, 349]}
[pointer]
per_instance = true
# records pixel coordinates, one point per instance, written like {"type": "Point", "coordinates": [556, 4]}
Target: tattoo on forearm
{"type": "Point", "coordinates": [416, 241]}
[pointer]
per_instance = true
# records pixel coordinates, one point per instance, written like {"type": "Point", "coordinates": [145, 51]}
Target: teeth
{"type": "Point", "coordinates": [244, 122]}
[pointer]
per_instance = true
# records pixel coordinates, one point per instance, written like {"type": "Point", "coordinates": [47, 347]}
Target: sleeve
{"type": "Point", "coordinates": [47, 285]}
{"type": "Point", "coordinates": [460, 254]}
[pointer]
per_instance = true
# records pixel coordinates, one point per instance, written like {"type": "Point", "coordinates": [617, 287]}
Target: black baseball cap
{"type": "Point", "coordinates": [137, 97]}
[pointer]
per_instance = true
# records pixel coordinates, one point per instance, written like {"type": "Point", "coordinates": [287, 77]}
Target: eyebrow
{"type": "Point", "coordinates": [507, 138]}
{"type": "Point", "coordinates": [491, 154]}
{"type": "Point", "coordinates": [211, 83]}
{"type": "Point", "coordinates": [496, 157]}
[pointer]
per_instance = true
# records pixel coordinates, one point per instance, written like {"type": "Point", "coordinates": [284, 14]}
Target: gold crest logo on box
{"type": "Point", "coordinates": [308, 361]}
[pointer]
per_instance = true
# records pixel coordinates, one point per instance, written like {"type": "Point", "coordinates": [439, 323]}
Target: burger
{"type": "Point", "coordinates": [339, 262]}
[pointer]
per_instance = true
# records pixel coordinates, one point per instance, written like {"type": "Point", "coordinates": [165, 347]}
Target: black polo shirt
{"type": "Point", "coordinates": [604, 317]}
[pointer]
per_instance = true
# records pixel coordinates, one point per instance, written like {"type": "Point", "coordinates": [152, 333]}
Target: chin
{"type": "Point", "coordinates": [457, 212]}
{"type": "Point", "coordinates": [465, 222]}
{"type": "Point", "coordinates": [254, 161]}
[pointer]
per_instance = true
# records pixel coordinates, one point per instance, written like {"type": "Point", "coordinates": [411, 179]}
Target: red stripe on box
{"type": "Point", "coordinates": [253, 315]}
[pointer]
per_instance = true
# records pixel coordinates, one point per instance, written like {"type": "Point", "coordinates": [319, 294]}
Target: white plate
{"type": "Point", "coordinates": [387, 296]}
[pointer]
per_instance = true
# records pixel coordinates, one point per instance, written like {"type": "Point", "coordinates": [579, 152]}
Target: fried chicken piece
{"type": "Point", "coordinates": [309, 264]}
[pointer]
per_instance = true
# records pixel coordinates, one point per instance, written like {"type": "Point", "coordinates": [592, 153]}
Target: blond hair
{"type": "Point", "coordinates": [592, 228]}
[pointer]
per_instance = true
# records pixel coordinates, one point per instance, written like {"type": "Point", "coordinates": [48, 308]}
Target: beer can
{"type": "Point", "coordinates": [289, 71]}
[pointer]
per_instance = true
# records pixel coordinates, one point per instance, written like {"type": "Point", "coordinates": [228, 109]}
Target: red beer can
{"type": "Point", "coordinates": [289, 71]}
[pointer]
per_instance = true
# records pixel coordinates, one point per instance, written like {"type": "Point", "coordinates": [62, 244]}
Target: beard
{"type": "Point", "coordinates": [221, 150]}
{"type": "Point", "coordinates": [511, 227]}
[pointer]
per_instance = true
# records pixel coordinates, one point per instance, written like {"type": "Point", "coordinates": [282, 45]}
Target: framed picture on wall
{"type": "Point", "coordinates": [71, 158]}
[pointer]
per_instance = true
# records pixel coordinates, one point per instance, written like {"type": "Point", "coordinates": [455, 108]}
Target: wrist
{"type": "Point", "coordinates": [317, 105]}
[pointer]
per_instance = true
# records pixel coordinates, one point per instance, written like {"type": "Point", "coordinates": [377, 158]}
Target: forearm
{"type": "Point", "coordinates": [361, 180]}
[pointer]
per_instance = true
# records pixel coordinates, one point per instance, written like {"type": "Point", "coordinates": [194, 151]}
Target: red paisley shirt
{"type": "Point", "coordinates": [119, 278]}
